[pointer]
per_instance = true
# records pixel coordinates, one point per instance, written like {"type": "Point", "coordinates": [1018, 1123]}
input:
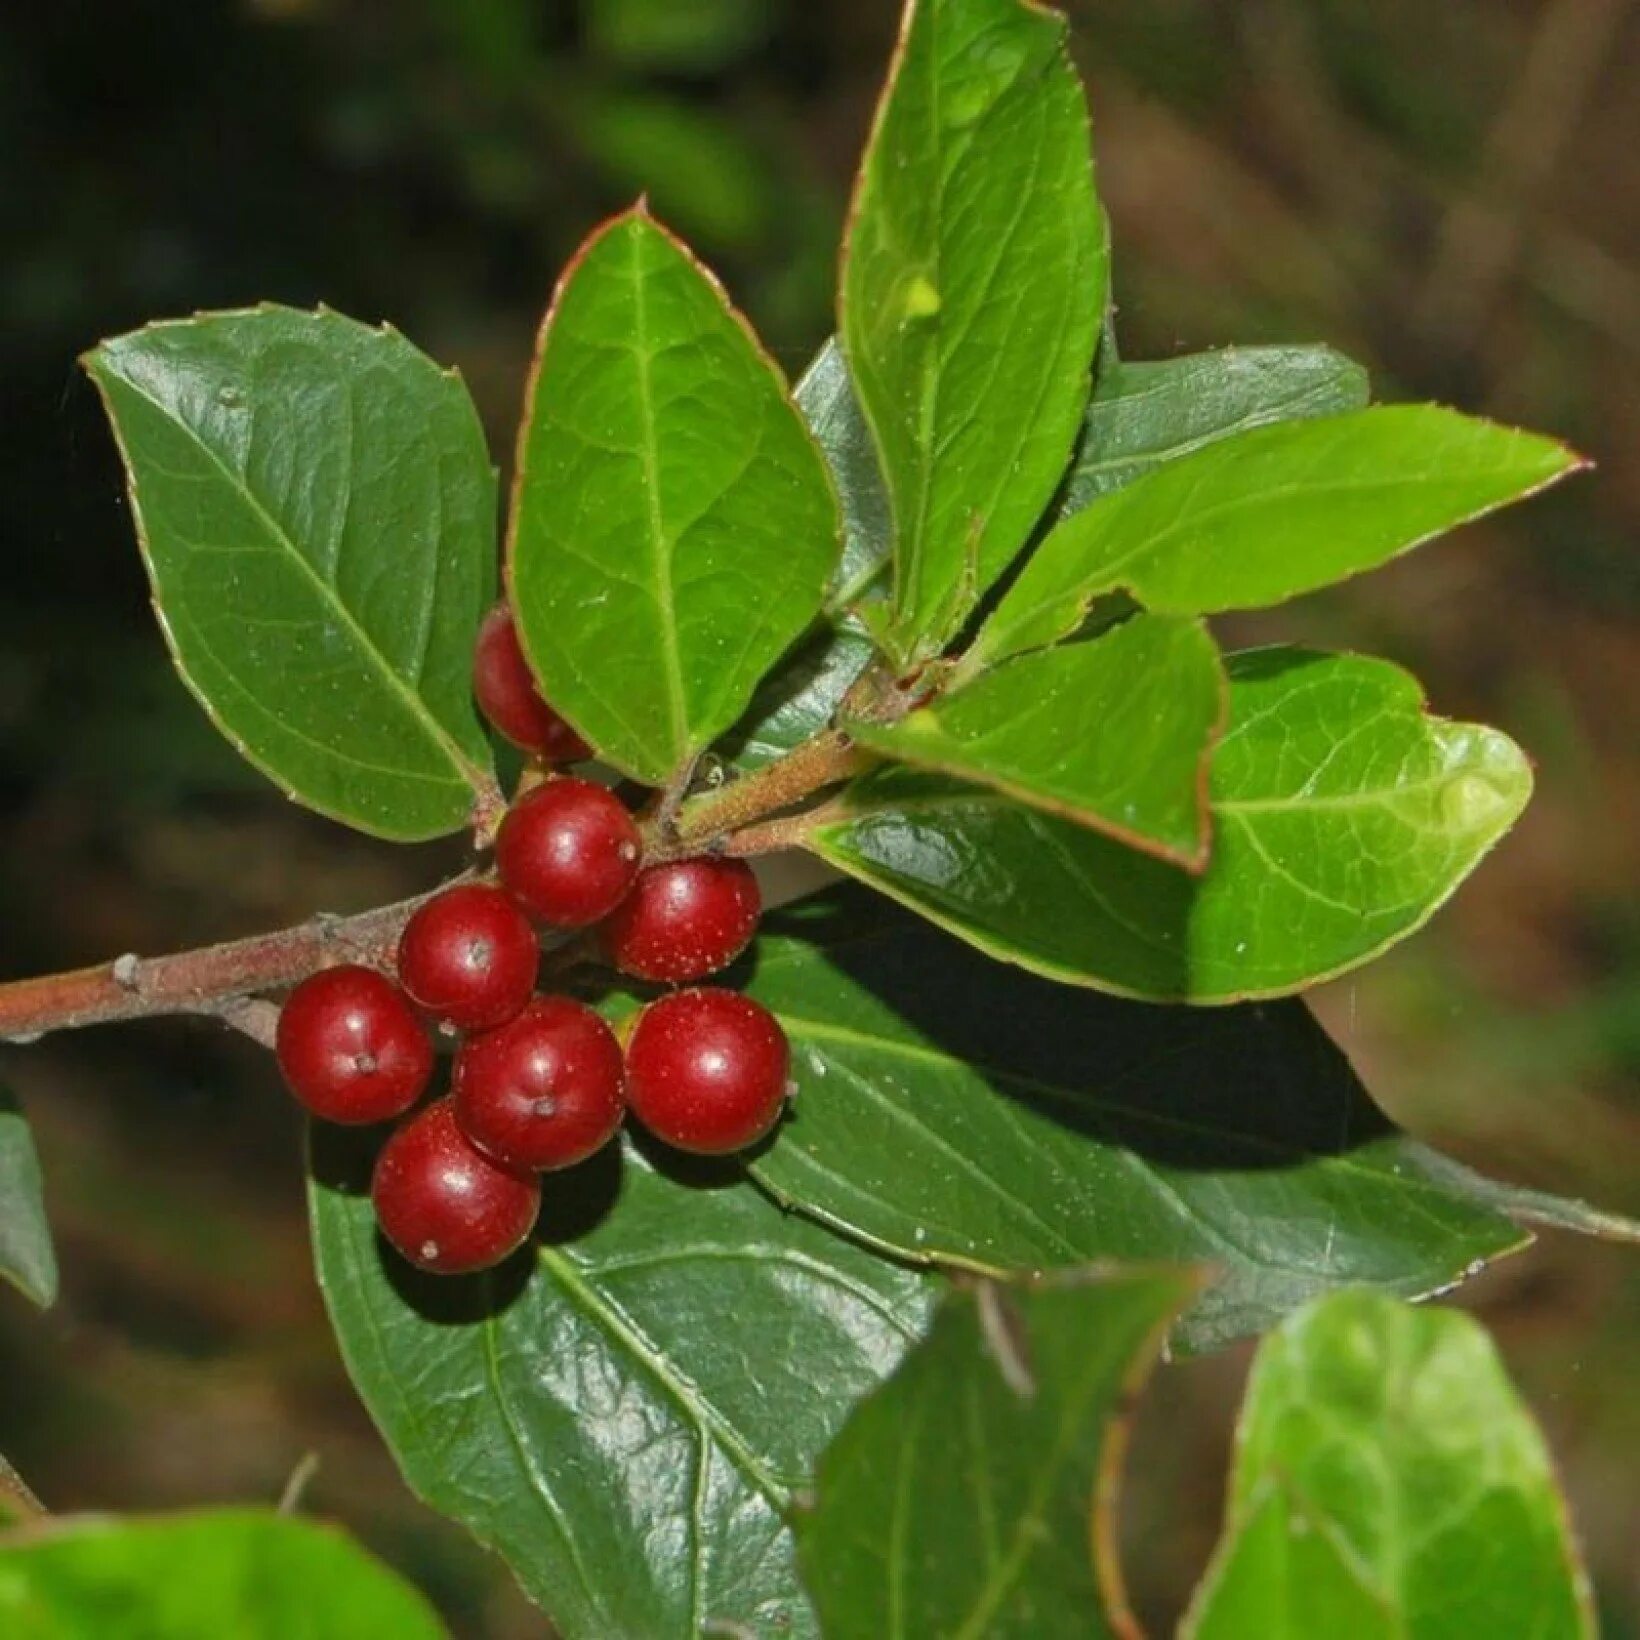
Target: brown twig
{"type": "Point", "coordinates": [826, 760]}
{"type": "Point", "coordinates": [218, 981]}
{"type": "Point", "coordinates": [228, 982]}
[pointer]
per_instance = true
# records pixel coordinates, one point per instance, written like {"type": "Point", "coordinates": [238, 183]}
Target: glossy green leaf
{"type": "Point", "coordinates": [1272, 513]}
{"type": "Point", "coordinates": [317, 511]}
{"type": "Point", "coordinates": [948, 1108]}
{"type": "Point", "coordinates": [1142, 415]}
{"type": "Point", "coordinates": [1343, 818]}
{"type": "Point", "coordinates": [1113, 733]}
{"type": "Point", "coordinates": [973, 289]}
{"type": "Point", "coordinates": [1396, 1433]}
{"type": "Point", "coordinates": [625, 1411]}
{"type": "Point", "coordinates": [802, 695]}
{"type": "Point", "coordinates": [673, 525]}
{"type": "Point", "coordinates": [830, 406]}
{"type": "Point", "coordinates": [974, 1493]}
{"type": "Point", "coordinates": [27, 1258]}
{"type": "Point", "coordinates": [248, 1574]}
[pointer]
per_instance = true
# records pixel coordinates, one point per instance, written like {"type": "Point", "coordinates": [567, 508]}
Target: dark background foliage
{"type": "Point", "coordinates": [1447, 192]}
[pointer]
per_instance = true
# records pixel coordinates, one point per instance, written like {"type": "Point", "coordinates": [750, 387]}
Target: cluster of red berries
{"type": "Point", "coordinates": [540, 1082]}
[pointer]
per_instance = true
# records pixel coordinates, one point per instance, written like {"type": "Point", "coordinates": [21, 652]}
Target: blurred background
{"type": "Point", "coordinates": [1449, 192]}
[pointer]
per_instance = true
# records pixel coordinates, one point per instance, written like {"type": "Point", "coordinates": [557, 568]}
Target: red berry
{"type": "Point", "coordinates": [706, 1070]}
{"type": "Point", "coordinates": [568, 852]}
{"type": "Point", "coordinates": [684, 920]}
{"type": "Point", "coordinates": [509, 697]}
{"type": "Point", "coordinates": [351, 1047]}
{"type": "Point", "coordinates": [469, 957]}
{"type": "Point", "coordinates": [443, 1203]}
{"type": "Point", "coordinates": [543, 1091]}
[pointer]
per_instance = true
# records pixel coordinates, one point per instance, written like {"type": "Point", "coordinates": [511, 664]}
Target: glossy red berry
{"type": "Point", "coordinates": [684, 920]}
{"type": "Point", "coordinates": [510, 698]}
{"type": "Point", "coordinates": [568, 851]}
{"type": "Point", "coordinates": [706, 1070]}
{"type": "Point", "coordinates": [543, 1091]}
{"type": "Point", "coordinates": [443, 1203]}
{"type": "Point", "coordinates": [469, 957]}
{"type": "Point", "coordinates": [351, 1047]}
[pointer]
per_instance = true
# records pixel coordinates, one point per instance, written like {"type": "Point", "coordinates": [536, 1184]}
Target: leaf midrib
{"type": "Point", "coordinates": [659, 558]}
{"type": "Point", "coordinates": [421, 714]}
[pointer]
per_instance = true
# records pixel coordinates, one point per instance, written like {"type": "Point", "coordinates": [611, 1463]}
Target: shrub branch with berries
{"type": "Point", "coordinates": [939, 618]}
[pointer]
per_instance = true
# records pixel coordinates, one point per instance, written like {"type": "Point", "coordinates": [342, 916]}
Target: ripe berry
{"type": "Point", "coordinates": [706, 1070]}
{"type": "Point", "coordinates": [469, 957]}
{"type": "Point", "coordinates": [443, 1203]}
{"type": "Point", "coordinates": [568, 851]}
{"type": "Point", "coordinates": [543, 1091]}
{"type": "Point", "coordinates": [508, 695]}
{"type": "Point", "coordinates": [684, 920]}
{"type": "Point", "coordinates": [351, 1047]}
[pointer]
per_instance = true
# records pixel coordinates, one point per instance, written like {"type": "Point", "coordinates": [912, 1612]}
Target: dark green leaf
{"type": "Point", "coordinates": [1269, 514]}
{"type": "Point", "coordinates": [973, 289]}
{"type": "Point", "coordinates": [673, 524]}
{"type": "Point", "coordinates": [317, 510]}
{"type": "Point", "coordinates": [625, 1411]}
{"type": "Point", "coordinates": [1344, 817]}
{"type": "Point", "coordinates": [231, 1574]}
{"type": "Point", "coordinates": [1396, 1433]}
{"type": "Point", "coordinates": [974, 1493]}
{"type": "Point", "coordinates": [948, 1108]}
{"type": "Point", "coordinates": [1113, 733]}
{"type": "Point", "coordinates": [1143, 415]}
{"type": "Point", "coordinates": [27, 1258]}
{"type": "Point", "coordinates": [802, 695]}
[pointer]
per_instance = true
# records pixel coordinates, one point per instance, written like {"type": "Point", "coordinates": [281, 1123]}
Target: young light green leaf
{"type": "Point", "coordinates": [1143, 415]}
{"type": "Point", "coordinates": [1051, 1127]}
{"type": "Point", "coordinates": [27, 1258]}
{"type": "Point", "coordinates": [673, 524]}
{"type": "Point", "coordinates": [1270, 514]}
{"type": "Point", "coordinates": [246, 1573]}
{"type": "Point", "coordinates": [1288, 1576]}
{"type": "Point", "coordinates": [1113, 733]}
{"type": "Point", "coordinates": [975, 1492]}
{"type": "Point", "coordinates": [625, 1411]}
{"type": "Point", "coordinates": [1343, 818]}
{"type": "Point", "coordinates": [1398, 1434]}
{"type": "Point", "coordinates": [973, 289]}
{"type": "Point", "coordinates": [317, 511]}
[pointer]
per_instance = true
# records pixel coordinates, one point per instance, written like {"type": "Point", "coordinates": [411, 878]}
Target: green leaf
{"type": "Point", "coordinates": [1289, 1576]}
{"type": "Point", "coordinates": [317, 511]}
{"type": "Point", "coordinates": [974, 1493]}
{"type": "Point", "coordinates": [1396, 1434]}
{"type": "Point", "coordinates": [246, 1573]}
{"type": "Point", "coordinates": [829, 405]}
{"type": "Point", "coordinates": [973, 289]}
{"type": "Point", "coordinates": [1142, 415]}
{"type": "Point", "coordinates": [673, 523]}
{"type": "Point", "coordinates": [27, 1258]}
{"type": "Point", "coordinates": [1270, 514]}
{"type": "Point", "coordinates": [951, 1109]}
{"type": "Point", "coordinates": [625, 1411]}
{"type": "Point", "coordinates": [1343, 818]}
{"type": "Point", "coordinates": [1113, 733]}
{"type": "Point", "coordinates": [802, 695]}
